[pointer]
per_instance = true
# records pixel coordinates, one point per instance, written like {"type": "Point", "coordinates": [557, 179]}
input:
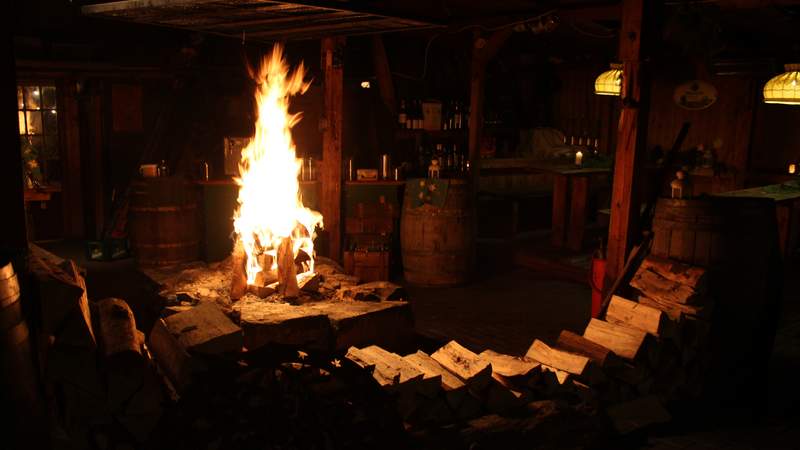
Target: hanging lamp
{"type": "Point", "coordinates": [610, 81]}
{"type": "Point", "coordinates": [784, 88]}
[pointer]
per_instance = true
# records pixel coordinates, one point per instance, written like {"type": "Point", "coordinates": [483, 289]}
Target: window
{"type": "Point", "coordinates": [38, 129]}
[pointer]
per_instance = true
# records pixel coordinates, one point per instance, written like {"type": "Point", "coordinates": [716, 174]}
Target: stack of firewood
{"type": "Point", "coordinates": [98, 375]}
{"type": "Point", "coordinates": [644, 353]}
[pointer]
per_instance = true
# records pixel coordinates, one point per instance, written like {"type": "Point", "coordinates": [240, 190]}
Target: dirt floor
{"type": "Point", "coordinates": [506, 308]}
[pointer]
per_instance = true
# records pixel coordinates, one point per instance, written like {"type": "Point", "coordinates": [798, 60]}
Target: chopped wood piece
{"type": "Point", "coordinates": [77, 331]}
{"type": "Point", "coordinates": [576, 343]}
{"type": "Point", "coordinates": [624, 341]}
{"type": "Point", "coordinates": [560, 376]}
{"type": "Point", "coordinates": [391, 371]}
{"type": "Point", "coordinates": [121, 345]}
{"type": "Point", "coordinates": [636, 315]}
{"type": "Point", "coordinates": [655, 286]}
{"type": "Point", "coordinates": [173, 359]}
{"type": "Point", "coordinates": [468, 366]}
{"type": "Point", "coordinates": [238, 271]}
{"type": "Point", "coordinates": [375, 291]}
{"type": "Point", "coordinates": [692, 276]}
{"type": "Point", "coordinates": [118, 333]}
{"type": "Point", "coordinates": [287, 271]}
{"type": "Point", "coordinates": [455, 390]}
{"type": "Point", "coordinates": [507, 365]}
{"type": "Point", "coordinates": [636, 414]}
{"type": "Point", "coordinates": [309, 282]}
{"type": "Point", "coordinates": [502, 395]}
{"type": "Point", "coordinates": [559, 359]}
{"type": "Point", "coordinates": [63, 303]}
{"type": "Point", "coordinates": [205, 329]}
{"type": "Point", "coordinates": [359, 324]}
{"type": "Point", "coordinates": [675, 311]}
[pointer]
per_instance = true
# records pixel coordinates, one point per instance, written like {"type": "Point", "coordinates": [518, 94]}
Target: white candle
{"type": "Point", "coordinates": [578, 158]}
{"type": "Point", "coordinates": [792, 169]}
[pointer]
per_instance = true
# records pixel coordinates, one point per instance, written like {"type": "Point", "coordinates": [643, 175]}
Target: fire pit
{"type": "Point", "coordinates": [273, 284]}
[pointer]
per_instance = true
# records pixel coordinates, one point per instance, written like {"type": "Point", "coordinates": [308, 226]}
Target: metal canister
{"type": "Point", "coordinates": [386, 167]}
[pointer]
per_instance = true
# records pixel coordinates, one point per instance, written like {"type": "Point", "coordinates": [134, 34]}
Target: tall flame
{"type": "Point", "coordinates": [270, 204]}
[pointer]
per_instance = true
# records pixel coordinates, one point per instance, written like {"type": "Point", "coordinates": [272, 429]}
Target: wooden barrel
{"type": "Point", "coordinates": [163, 221]}
{"type": "Point", "coordinates": [437, 242]}
{"type": "Point", "coordinates": [689, 231]}
{"type": "Point", "coordinates": [10, 306]}
{"type": "Point", "coordinates": [712, 231]}
{"type": "Point", "coordinates": [16, 357]}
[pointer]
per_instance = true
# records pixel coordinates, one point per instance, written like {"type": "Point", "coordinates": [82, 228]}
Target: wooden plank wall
{"type": "Point", "coordinates": [576, 109]}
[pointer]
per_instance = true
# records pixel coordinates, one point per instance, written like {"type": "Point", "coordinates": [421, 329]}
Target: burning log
{"type": "Point", "coordinates": [287, 271]}
{"type": "Point", "coordinates": [239, 271]}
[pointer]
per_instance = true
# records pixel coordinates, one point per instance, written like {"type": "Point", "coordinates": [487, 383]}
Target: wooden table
{"type": "Point", "coordinates": [570, 194]}
{"type": "Point", "coordinates": [787, 208]}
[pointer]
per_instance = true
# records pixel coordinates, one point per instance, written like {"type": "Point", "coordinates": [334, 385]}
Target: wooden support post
{"type": "Point", "coordinates": [331, 173]}
{"type": "Point", "coordinates": [13, 239]}
{"type": "Point", "coordinates": [623, 227]}
{"type": "Point", "coordinates": [73, 190]}
{"type": "Point", "coordinates": [483, 50]}
{"type": "Point", "coordinates": [383, 74]}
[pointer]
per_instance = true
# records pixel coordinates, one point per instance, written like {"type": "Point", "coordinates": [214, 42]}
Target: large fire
{"type": "Point", "coordinates": [271, 218]}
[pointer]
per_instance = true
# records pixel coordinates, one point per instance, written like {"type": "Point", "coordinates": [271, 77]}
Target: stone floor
{"type": "Point", "coordinates": [505, 308]}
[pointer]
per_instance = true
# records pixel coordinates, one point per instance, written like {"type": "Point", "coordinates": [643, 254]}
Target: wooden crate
{"type": "Point", "coordinates": [368, 265]}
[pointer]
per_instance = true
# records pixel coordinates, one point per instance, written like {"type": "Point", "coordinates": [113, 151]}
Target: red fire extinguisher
{"type": "Point", "coordinates": [597, 278]}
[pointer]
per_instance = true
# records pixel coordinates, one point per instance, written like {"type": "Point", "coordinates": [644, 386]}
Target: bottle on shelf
{"type": "Point", "coordinates": [401, 114]}
{"type": "Point", "coordinates": [458, 117]}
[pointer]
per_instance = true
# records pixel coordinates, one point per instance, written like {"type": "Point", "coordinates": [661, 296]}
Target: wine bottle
{"type": "Point", "coordinates": [401, 115]}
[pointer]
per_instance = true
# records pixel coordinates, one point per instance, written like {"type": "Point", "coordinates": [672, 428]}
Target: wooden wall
{"type": "Point", "coordinates": [577, 110]}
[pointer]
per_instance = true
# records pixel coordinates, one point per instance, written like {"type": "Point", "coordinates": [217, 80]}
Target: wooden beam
{"type": "Point", "coordinates": [383, 74]}
{"type": "Point", "coordinates": [69, 126]}
{"type": "Point", "coordinates": [623, 227]}
{"type": "Point", "coordinates": [13, 239]}
{"type": "Point", "coordinates": [331, 173]}
{"type": "Point", "coordinates": [483, 50]}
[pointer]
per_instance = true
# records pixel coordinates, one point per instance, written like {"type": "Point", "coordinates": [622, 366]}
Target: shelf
{"type": "Point", "coordinates": [436, 134]}
{"type": "Point", "coordinates": [376, 183]}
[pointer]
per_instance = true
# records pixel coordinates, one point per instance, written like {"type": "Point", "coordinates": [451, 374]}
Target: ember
{"type": "Point", "coordinates": [272, 225]}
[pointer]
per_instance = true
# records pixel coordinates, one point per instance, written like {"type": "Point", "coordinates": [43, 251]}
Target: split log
{"type": "Point", "coordinates": [143, 410]}
{"type": "Point", "coordinates": [456, 393]}
{"type": "Point", "coordinates": [692, 276]}
{"type": "Point", "coordinates": [173, 359]}
{"type": "Point", "coordinates": [63, 304]}
{"type": "Point", "coordinates": [507, 365]}
{"type": "Point", "coordinates": [575, 343]}
{"type": "Point", "coordinates": [474, 371]}
{"type": "Point", "coordinates": [375, 291]}
{"type": "Point", "coordinates": [238, 271]}
{"type": "Point", "coordinates": [309, 282]}
{"type": "Point", "coordinates": [121, 345]}
{"type": "Point", "coordinates": [558, 359]}
{"type": "Point", "coordinates": [502, 395]}
{"type": "Point", "coordinates": [626, 312]}
{"type": "Point", "coordinates": [653, 285]}
{"type": "Point", "coordinates": [287, 271]}
{"type": "Point", "coordinates": [676, 311]}
{"type": "Point", "coordinates": [624, 341]}
{"type": "Point", "coordinates": [266, 276]}
{"type": "Point", "coordinates": [357, 324]}
{"type": "Point", "coordinates": [205, 329]}
{"type": "Point", "coordinates": [636, 414]}
{"type": "Point", "coordinates": [392, 372]}
{"type": "Point", "coordinates": [552, 375]}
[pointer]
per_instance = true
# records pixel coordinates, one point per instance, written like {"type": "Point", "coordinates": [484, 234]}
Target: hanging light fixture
{"type": "Point", "coordinates": [609, 82]}
{"type": "Point", "coordinates": [785, 88]}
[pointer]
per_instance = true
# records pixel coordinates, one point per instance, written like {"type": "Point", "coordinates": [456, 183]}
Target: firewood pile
{"type": "Point", "coordinates": [99, 379]}
{"type": "Point", "coordinates": [314, 376]}
{"type": "Point", "coordinates": [644, 355]}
